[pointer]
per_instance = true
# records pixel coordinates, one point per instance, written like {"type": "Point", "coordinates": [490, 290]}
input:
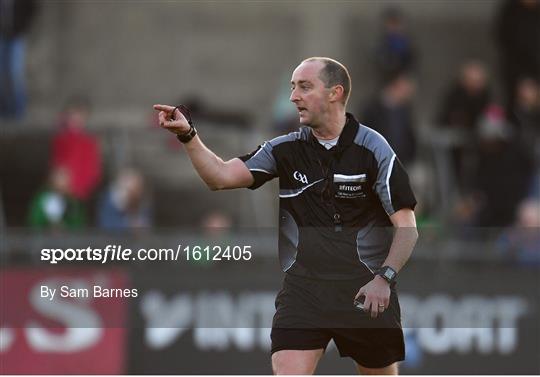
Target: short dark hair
{"type": "Point", "coordinates": [334, 73]}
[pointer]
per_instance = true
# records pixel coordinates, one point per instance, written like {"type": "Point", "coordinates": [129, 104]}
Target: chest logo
{"type": "Point", "coordinates": [300, 177]}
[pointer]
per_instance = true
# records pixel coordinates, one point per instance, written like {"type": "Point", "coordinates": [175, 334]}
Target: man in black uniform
{"type": "Point", "coordinates": [347, 224]}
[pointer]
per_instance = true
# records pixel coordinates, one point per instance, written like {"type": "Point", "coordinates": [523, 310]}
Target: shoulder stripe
{"type": "Point", "coordinates": [296, 192]}
{"type": "Point", "coordinates": [384, 157]}
{"type": "Point", "coordinates": [388, 174]}
{"type": "Point", "coordinates": [261, 170]}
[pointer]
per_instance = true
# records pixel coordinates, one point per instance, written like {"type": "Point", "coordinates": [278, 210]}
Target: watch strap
{"type": "Point", "coordinates": [185, 138]}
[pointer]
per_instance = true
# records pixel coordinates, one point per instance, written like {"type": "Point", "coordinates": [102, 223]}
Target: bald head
{"type": "Point", "coordinates": [333, 73]}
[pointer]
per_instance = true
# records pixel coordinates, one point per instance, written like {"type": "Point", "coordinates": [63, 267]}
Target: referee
{"type": "Point", "coordinates": [347, 224]}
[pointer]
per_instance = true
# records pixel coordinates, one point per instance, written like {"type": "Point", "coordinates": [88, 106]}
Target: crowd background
{"type": "Point", "coordinates": [454, 86]}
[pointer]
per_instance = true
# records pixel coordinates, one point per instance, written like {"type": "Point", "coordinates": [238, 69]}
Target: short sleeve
{"type": "Point", "coordinates": [392, 183]}
{"type": "Point", "coordinates": [261, 163]}
{"type": "Point", "coordinates": [395, 189]}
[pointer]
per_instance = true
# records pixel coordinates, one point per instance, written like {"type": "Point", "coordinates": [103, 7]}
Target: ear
{"type": "Point", "coordinates": [336, 93]}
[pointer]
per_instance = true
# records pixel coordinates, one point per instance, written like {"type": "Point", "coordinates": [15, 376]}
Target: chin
{"type": "Point", "coordinates": [304, 121]}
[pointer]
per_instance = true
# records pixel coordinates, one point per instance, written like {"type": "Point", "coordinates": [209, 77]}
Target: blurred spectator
{"type": "Point", "coordinates": [216, 222]}
{"type": "Point", "coordinates": [2, 214]}
{"type": "Point", "coordinates": [216, 230]}
{"type": "Point", "coordinates": [521, 243]}
{"type": "Point", "coordinates": [461, 108]}
{"type": "Point", "coordinates": [125, 204]}
{"type": "Point", "coordinates": [15, 19]}
{"type": "Point", "coordinates": [518, 37]}
{"type": "Point", "coordinates": [466, 99]}
{"type": "Point", "coordinates": [54, 207]}
{"type": "Point", "coordinates": [76, 150]}
{"type": "Point", "coordinates": [502, 174]}
{"type": "Point", "coordinates": [526, 111]}
{"type": "Point", "coordinates": [390, 113]}
{"type": "Point", "coordinates": [395, 52]}
{"type": "Point", "coordinates": [534, 188]}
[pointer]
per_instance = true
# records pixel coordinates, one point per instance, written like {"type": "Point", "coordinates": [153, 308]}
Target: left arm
{"type": "Point", "coordinates": [377, 291]}
{"type": "Point", "coordinates": [397, 199]}
{"type": "Point", "coordinates": [405, 237]}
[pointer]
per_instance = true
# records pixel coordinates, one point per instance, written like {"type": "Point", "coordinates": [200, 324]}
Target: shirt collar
{"type": "Point", "coordinates": [347, 135]}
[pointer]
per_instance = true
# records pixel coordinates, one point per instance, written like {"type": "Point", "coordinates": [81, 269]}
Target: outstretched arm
{"type": "Point", "coordinates": [216, 173]}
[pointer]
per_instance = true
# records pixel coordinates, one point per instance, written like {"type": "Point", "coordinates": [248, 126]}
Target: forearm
{"type": "Point", "coordinates": [405, 236]}
{"type": "Point", "coordinates": [402, 247]}
{"type": "Point", "coordinates": [208, 165]}
{"type": "Point", "coordinates": [377, 291]}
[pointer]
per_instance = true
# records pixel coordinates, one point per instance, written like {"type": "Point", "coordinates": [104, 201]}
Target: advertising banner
{"type": "Point", "coordinates": [459, 317]}
{"type": "Point", "coordinates": [52, 323]}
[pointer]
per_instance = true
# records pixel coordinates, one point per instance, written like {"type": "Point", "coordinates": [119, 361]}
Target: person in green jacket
{"type": "Point", "coordinates": [54, 207]}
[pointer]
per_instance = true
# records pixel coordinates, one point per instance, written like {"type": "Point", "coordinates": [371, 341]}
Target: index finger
{"type": "Point", "coordinates": [162, 118]}
{"type": "Point", "coordinates": [165, 108]}
{"type": "Point", "coordinates": [361, 292]}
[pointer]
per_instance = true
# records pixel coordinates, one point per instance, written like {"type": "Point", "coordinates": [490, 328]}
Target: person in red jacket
{"type": "Point", "coordinates": [77, 151]}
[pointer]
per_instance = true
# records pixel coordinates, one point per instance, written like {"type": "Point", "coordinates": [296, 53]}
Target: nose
{"type": "Point", "coordinates": [294, 96]}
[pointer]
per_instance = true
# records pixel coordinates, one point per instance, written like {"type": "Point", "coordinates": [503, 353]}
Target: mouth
{"type": "Point", "coordinates": [301, 109]}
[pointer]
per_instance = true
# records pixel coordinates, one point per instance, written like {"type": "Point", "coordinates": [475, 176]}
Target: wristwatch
{"type": "Point", "coordinates": [387, 273]}
{"type": "Point", "coordinates": [184, 138]}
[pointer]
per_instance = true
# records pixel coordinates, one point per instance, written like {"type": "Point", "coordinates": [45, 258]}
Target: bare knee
{"type": "Point", "coordinates": [295, 361]}
{"type": "Point", "coordinates": [391, 369]}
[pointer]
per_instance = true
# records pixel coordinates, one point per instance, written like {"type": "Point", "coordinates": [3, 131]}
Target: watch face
{"type": "Point", "coordinates": [389, 274]}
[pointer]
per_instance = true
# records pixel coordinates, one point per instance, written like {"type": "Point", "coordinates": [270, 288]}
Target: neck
{"type": "Point", "coordinates": [331, 127]}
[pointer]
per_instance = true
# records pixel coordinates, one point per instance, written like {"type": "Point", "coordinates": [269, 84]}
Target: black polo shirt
{"type": "Point", "coordinates": [334, 204]}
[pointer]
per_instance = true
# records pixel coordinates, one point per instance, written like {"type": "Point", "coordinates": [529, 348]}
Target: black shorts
{"type": "Point", "coordinates": [309, 313]}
